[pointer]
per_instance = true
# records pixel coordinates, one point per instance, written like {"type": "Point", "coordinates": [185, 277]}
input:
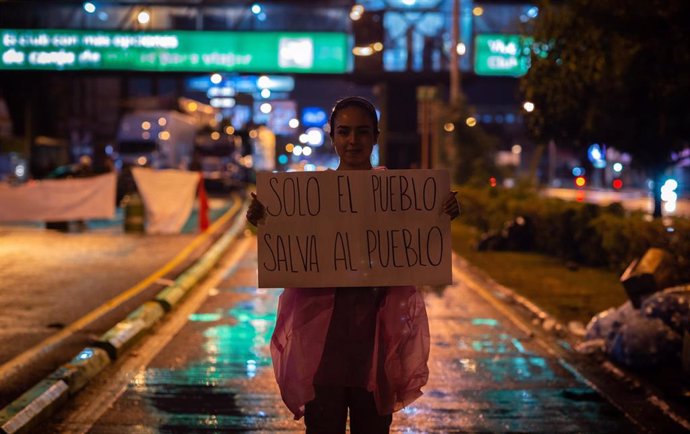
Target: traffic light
{"type": "Point", "coordinates": [580, 181]}
{"type": "Point", "coordinates": [368, 35]}
{"type": "Point", "coordinates": [617, 183]}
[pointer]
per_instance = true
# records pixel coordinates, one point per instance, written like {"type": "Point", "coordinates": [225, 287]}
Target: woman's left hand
{"type": "Point", "coordinates": [451, 206]}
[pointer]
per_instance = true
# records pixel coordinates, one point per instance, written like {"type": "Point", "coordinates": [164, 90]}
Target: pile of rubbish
{"type": "Point", "coordinates": [653, 327]}
{"type": "Point", "coordinates": [517, 234]}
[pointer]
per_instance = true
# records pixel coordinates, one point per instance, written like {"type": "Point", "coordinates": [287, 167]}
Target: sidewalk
{"type": "Point", "coordinates": [490, 372]}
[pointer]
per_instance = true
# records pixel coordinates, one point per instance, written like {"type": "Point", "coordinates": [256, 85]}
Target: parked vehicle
{"type": "Point", "coordinates": [156, 138]}
{"type": "Point", "coordinates": [220, 163]}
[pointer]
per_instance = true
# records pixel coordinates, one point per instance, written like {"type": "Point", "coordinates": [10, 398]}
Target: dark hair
{"type": "Point", "coordinates": [354, 101]}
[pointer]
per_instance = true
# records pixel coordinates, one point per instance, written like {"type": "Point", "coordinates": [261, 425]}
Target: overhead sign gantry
{"type": "Point", "coordinates": [187, 51]}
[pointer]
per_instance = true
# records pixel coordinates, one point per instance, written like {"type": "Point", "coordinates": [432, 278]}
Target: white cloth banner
{"type": "Point", "coordinates": [168, 197]}
{"type": "Point", "coordinates": [59, 199]}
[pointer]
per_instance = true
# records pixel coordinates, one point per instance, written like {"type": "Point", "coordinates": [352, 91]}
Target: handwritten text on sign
{"type": "Point", "coordinates": [354, 228]}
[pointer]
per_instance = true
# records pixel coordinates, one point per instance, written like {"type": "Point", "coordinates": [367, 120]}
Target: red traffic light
{"type": "Point", "coordinates": [617, 183]}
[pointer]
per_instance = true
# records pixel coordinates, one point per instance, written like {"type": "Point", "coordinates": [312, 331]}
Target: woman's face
{"type": "Point", "coordinates": [354, 138]}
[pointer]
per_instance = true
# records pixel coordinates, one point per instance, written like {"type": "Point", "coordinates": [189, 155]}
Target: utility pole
{"type": "Point", "coordinates": [454, 68]}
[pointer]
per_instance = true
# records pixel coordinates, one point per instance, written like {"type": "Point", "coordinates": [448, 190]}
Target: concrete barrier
{"type": "Point", "coordinates": [36, 404]}
{"type": "Point", "coordinates": [82, 368]}
{"type": "Point", "coordinates": [125, 333]}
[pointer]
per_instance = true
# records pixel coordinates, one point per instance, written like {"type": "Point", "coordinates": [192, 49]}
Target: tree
{"type": "Point", "coordinates": [614, 72]}
{"type": "Point", "coordinates": [472, 150]}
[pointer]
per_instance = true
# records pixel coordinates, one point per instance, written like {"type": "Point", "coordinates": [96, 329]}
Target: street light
{"type": "Point", "coordinates": [143, 17]}
{"type": "Point", "coordinates": [356, 12]}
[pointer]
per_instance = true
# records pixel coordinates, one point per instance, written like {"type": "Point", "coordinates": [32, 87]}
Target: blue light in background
{"type": "Point", "coordinates": [314, 117]}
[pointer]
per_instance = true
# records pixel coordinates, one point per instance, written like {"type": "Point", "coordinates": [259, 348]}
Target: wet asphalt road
{"type": "Point", "coordinates": [488, 373]}
{"type": "Point", "coordinates": [50, 279]}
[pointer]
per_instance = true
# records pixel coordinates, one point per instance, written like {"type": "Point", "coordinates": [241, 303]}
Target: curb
{"type": "Point", "coordinates": [539, 316]}
{"type": "Point", "coordinates": [39, 402]}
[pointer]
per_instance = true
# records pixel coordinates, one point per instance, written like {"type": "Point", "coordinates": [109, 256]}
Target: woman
{"type": "Point", "coordinates": [359, 349]}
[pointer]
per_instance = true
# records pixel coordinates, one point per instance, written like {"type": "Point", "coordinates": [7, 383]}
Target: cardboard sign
{"type": "Point", "coordinates": [354, 228]}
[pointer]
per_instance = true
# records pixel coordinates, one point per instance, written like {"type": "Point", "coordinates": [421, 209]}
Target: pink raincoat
{"type": "Point", "coordinates": [399, 359]}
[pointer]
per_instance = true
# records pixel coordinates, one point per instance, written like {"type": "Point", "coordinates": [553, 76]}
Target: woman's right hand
{"type": "Point", "coordinates": [256, 213]}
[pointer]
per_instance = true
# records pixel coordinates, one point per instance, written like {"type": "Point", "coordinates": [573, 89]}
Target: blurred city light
{"type": "Point", "coordinates": [164, 135]}
{"type": "Point", "coordinates": [470, 121]}
{"type": "Point", "coordinates": [617, 167]}
{"type": "Point", "coordinates": [306, 151]}
{"type": "Point", "coordinates": [216, 78]}
{"type": "Point", "coordinates": [229, 130]}
{"type": "Point", "coordinates": [266, 108]}
{"type": "Point", "coordinates": [283, 159]}
{"type": "Point", "coordinates": [461, 48]}
{"type": "Point", "coordinates": [143, 17]}
{"type": "Point", "coordinates": [162, 121]}
{"type": "Point", "coordinates": [356, 12]}
{"type": "Point", "coordinates": [617, 183]}
{"type": "Point", "coordinates": [516, 149]}
{"type": "Point", "coordinates": [263, 82]}
{"type": "Point", "coordinates": [528, 106]}
{"type": "Point", "coordinates": [492, 182]}
{"type": "Point", "coordinates": [315, 136]}
{"type": "Point", "coordinates": [146, 125]}
{"type": "Point", "coordinates": [669, 195]}
{"type": "Point", "coordinates": [533, 12]}
{"type": "Point", "coordinates": [668, 190]}
{"type": "Point", "coordinates": [293, 123]}
{"type": "Point", "coordinates": [223, 102]}
{"type": "Point", "coordinates": [478, 11]}
{"type": "Point", "coordinates": [303, 138]}
{"type": "Point", "coordinates": [289, 147]}
{"type": "Point", "coordinates": [580, 181]}
{"type": "Point", "coordinates": [578, 171]}
{"type": "Point", "coordinates": [89, 7]}
{"type": "Point", "coordinates": [256, 9]}
{"type": "Point", "coordinates": [215, 135]}
{"type": "Point", "coordinates": [597, 155]}
{"type": "Point", "coordinates": [449, 127]}
{"type": "Point", "coordinates": [363, 51]}
{"type": "Point", "coordinates": [265, 93]}
{"type": "Point", "coordinates": [297, 150]}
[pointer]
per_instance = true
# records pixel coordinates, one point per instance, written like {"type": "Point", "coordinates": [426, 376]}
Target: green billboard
{"type": "Point", "coordinates": [191, 51]}
{"type": "Point", "coordinates": [506, 55]}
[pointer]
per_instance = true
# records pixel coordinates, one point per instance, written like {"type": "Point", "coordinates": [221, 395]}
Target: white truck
{"type": "Point", "coordinates": [156, 138]}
